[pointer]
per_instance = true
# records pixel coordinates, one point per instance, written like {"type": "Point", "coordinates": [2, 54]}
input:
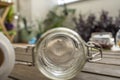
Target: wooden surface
{"type": "Point", "coordinates": [24, 53]}
{"type": "Point", "coordinates": [4, 4]}
{"type": "Point", "coordinates": [106, 69]}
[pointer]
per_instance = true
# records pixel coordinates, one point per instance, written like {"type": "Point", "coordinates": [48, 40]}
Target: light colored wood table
{"type": "Point", "coordinates": [106, 69]}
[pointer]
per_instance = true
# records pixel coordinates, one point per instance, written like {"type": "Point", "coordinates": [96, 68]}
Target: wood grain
{"type": "Point", "coordinates": [106, 69]}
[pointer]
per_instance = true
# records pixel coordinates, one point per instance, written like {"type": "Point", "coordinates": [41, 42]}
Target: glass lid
{"type": "Point", "coordinates": [60, 54]}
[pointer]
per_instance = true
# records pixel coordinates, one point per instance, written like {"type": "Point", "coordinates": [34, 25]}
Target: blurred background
{"type": "Point", "coordinates": [27, 20]}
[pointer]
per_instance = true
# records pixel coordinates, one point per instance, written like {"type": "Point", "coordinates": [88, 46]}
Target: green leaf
{"type": "Point", "coordinates": [10, 14]}
{"type": "Point", "coordinates": [12, 32]}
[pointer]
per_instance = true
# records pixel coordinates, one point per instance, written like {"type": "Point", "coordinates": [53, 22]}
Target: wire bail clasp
{"type": "Point", "coordinates": [94, 51]}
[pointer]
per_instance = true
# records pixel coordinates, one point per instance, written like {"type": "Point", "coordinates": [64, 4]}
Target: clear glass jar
{"type": "Point", "coordinates": [118, 38]}
{"type": "Point", "coordinates": [7, 56]}
{"type": "Point", "coordinates": [61, 54]}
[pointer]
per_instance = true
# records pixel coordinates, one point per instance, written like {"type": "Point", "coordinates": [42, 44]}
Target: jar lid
{"type": "Point", "coordinates": [61, 54]}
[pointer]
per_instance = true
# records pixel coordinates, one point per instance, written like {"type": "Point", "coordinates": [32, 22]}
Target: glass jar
{"type": "Point", "coordinates": [7, 57]}
{"type": "Point", "coordinates": [118, 38]}
{"type": "Point", "coordinates": [61, 53]}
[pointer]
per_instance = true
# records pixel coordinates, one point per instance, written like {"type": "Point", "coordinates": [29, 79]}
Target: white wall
{"type": "Point", "coordinates": [23, 7]}
{"type": "Point", "coordinates": [34, 9]}
{"type": "Point", "coordinates": [37, 9]}
{"type": "Point", "coordinates": [95, 6]}
{"type": "Point", "coordinates": [40, 8]}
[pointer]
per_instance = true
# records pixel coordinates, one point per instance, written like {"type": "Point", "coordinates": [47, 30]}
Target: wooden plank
{"type": "Point", "coordinates": [110, 58]}
{"type": "Point", "coordinates": [114, 56]}
{"type": "Point", "coordinates": [109, 61]}
{"type": "Point", "coordinates": [22, 45]}
{"type": "Point", "coordinates": [111, 52]}
{"type": "Point", "coordinates": [89, 76]}
{"type": "Point", "coordinates": [5, 14]}
{"type": "Point", "coordinates": [106, 69]}
{"type": "Point", "coordinates": [4, 29]}
{"type": "Point", "coordinates": [4, 4]}
{"type": "Point", "coordinates": [24, 58]}
{"type": "Point", "coordinates": [25, 49]}
{"type": "Point", "coordinates": [22, 72]}
{"type": "Point", "coordinates": [23, 52]}
{"type": "Point", "coordinates": [102, 69]}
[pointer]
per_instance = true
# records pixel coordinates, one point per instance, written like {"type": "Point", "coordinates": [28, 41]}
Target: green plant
{"type": "Point", "coordinates": [40, 29]}
{"type": "Point", "coordinates": [26, 33]}
{"type": "Point", "coordinates": [8, 22]}
{"type": "Point", "coordinates": [54, 19]}
{"type": "Point", "coordinates": [10, 14]}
